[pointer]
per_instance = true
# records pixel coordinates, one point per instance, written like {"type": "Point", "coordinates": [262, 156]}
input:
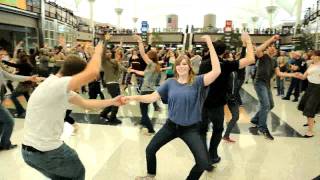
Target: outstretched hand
{"type": "Point", "coordinates": [275, 38]}
{"type": "Point", "coordinates": [36, 79]}
{"type": "Point", "coordinates": [245, 37]}
{"type": "Point", "coordinates": [119, 101]}
{"type": "Point", "coordinates": [99, 48]}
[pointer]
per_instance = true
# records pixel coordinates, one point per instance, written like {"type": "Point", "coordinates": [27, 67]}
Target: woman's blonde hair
{"type": "Point", "coordinates": [191, 72]}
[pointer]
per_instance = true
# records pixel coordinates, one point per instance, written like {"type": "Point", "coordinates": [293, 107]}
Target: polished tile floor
{"type": "Point", "coordinates": [117, 152]}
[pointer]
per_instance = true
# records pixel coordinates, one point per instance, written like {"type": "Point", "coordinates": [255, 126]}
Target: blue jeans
{"type": "Point", "coordinates": [6, 126]}
{"type": "Point", "coordinates": [59, 164]}
{"type": "Point", "coordinates": [266, 104]}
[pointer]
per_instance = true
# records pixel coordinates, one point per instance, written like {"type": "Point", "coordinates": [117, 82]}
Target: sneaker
{"type": "Point", "coordinates": [147, 132]}
{"type": "Point", "coordinates": [267, 134]}
{"type": "Point", "coordinates": [286, 98]}
{"type": "Point", "coordinates": [147, 177]}
{"type": "Point", "coordinates": [114, 121]}
{"type": "Point", "coordinates": [12, 146]}
{"type": "Point", "coordinates": [295, 100]}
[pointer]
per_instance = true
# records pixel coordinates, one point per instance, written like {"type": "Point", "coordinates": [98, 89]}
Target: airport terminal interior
{"type": "Point", "coordinates": [166, 90]}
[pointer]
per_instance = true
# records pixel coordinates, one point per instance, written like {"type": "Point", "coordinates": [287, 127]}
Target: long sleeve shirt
{"type": "Point", "coordinates": [7, 76]}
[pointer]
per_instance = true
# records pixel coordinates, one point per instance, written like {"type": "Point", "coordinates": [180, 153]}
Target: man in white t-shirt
{"type": "Point", "coordinates": [42, 147]}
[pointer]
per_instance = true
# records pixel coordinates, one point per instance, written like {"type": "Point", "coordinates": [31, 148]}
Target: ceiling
{"type": "Point", "coordinates": [190, 12]}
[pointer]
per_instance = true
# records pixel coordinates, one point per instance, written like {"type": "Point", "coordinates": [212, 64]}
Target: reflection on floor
{"type": "Point", "coordinates": [118, 152]}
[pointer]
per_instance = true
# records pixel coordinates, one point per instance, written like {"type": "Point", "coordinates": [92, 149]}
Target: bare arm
{"type": "Point", "coordinates": [215, 70]}
{"type": "Point", "coordinates": [249, 59]}
{"type": "Point", "coordinates": [149, 98]}
{"type": "Point", "coordinates": [90, 72]}
{"type": "Point", "coordinates": [263, 46]}
{"type": "Point", "coordinates": [141, 50]}
{"type": "Point", "coordinates": [141, 73]}
{"type": "Point", "coordinates": [93, 103]}
{"type": "Point", "coordinates": [284, 74]}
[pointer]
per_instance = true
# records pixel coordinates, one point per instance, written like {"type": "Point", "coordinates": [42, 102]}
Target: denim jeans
{"type": "Point", "coordinates": [114, 91]}
{"type": "Point", "coordinates": [59, 164]}
{"type": "Point", "coordinates": [216, 116]}
{"type": "Point", "coordinates": [17, 104]}
{"type": "Point", "coordinates": [266, 104]}
{"type": "Point", "coordinates": [145, 120]}
{"type": "Point", "coordinates": [280, 85]}
{"type": "Point", "coordinates": [191, 136]}
{"type": "Point", "coordinates": [6, 126]}
{"type": "Point", "coordinates": [234, 109]}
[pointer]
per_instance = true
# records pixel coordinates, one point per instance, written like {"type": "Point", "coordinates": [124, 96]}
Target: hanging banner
{"type": "Point", "coordinates": [21, 4]}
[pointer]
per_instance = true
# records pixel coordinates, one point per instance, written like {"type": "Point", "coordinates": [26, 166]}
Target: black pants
{"type": "Point", "coordinates": [240, 83]}
{"type": "Point", "coordinates": [145, 120]}
{"type": "Point", "coordinates": [216, 116]}
{"type": "Point", "coordinates": [191, 136]}
{"type": "Point", "coordinates": [294, 85]}
{"type": "Point", "coordinates": [95, 90]}
{"type": "Point", "coordinates": [114, 91]}
{"type": "Point", "coordinates": [234, 109]}
{"type": "Point", "coordinates": [68, 118]}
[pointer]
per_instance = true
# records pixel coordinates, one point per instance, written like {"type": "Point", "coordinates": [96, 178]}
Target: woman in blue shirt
{"type": "Point", "coordinates": [185, 95]}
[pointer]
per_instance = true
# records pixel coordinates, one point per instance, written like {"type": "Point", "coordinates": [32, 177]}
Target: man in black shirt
{"type": "Point", "coordinates": [266, 67]}
{"type": "Point", "coordinates": [213, 109]}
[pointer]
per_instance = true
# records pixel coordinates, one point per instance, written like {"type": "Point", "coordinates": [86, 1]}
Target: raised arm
{"type": "Point", "coordinates": [249, 59]}
{"type": "Point", "coordinates": [141, 49]}
{"type": "Point", "coordinates": [15, 52]}
{"type": "Point", "coordinates": [90, 72]}
{"type": "Point", "coordinates": [215, 70]}
{"type": "Point", "coordinates": [262, 47]}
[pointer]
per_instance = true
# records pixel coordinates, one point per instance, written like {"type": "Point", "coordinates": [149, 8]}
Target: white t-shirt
{"type": "Point", "coordinates": [314, 74]}
{"type": "Point", "coordinates": [45, 114]}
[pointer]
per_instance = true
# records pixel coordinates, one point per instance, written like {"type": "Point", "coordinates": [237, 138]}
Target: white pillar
{"type": "Point", "coordinates": [91, 2]}
{"type": "Point", "coordinates": [298, 14]}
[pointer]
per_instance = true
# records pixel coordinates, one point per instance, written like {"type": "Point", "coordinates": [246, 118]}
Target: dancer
{"type": "Point", "coordinates": [266, 67]}
{"type": "Point", "coordinates": [6, 119]}
{"type": "Point", "coordinates": [149, 81]}
{"type": "Point", "coordinates": [233, 95]}
{"type": "Point", "coordinates": [112, 73]}
{"type": "Point", "coordinates": [42, 147]}
{"type": "Point", "coordinates": [213, 109]}
{"type": "Point", "coordinates": [185, 94]}
{"type": "Point", "coordinates": [309, 103]}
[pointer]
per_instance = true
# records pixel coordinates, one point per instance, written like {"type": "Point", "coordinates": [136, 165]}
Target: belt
{"type": "Point", "coordinates": [31, 149]}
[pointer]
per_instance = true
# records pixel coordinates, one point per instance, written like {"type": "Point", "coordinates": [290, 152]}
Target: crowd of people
{"type": "Point", "coordinates": [196, 89]}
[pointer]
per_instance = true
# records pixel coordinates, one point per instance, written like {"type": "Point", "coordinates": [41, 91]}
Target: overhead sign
{"type": "Point", "coordinates": [21, 4]}
{"type": "Point", "coordinates": [144, 31]}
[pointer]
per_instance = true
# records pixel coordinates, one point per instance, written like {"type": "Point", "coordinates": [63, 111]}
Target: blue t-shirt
{"type": "Point", "coordinates": [184, 101]}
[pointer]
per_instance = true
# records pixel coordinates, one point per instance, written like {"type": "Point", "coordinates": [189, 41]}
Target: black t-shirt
{"type": "Point", "coordinates": [218, 89]}
{"type": "Point", "coordinates": [265, 68]}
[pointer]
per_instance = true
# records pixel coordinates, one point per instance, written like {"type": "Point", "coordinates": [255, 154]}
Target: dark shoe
{"type": "Point", "coordinates": [295, 100]}
{"type": "Point", "coordinates": [215, 160]}
{"type": "Point", "coordinates": [20, 115]}
{"type": "Point", "coordinates": [266, 134]}
{"type": "Point", "coordinates": [307, 136]}
{"type": "Point", "coordinates": [255, 123]}
{"type": "Point", "coordinates": [12, 146]}
{"type": "Point", "coordinates": [316, 178]}
{"type": "Point", "coordinates": [114, 121]}
{"type": "Point", "coordinates": [286, 98]}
